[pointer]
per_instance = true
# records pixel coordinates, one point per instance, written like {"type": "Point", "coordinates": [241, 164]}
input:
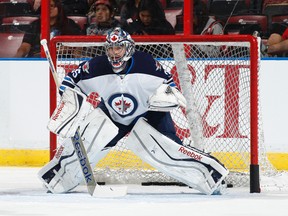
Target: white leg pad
{"type": "Point", "coordinates": [63, 172]}
{"type": "Point", "coordinates": [187, 165]}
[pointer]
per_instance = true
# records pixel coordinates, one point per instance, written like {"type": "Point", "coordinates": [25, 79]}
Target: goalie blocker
{"type": "Point", "coordinates": [185, 164]}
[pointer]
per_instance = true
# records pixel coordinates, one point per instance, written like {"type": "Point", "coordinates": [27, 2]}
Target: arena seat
{"type": "Point", "coordinates": [80, 20]}
{"type": "Point", "coordinates": [17, 23]}
{"type": "Point", "coordinates": [279, 23]}
{"type": "Point", "coordinates": [19, 20]}
{"type": "Point", "coordinates": [17, 1]}
{"type": "Point", "coordinates": [280, 18]}
{"type": "Point", "coordinates": [274, 7]}
{"type": "Point", "coordinates": [9, 43]}
{"type": "Point", "coordinates": [15, 8]}
{"type": "Point", "coordinates": [223, 8]}
{"type": "Point", "coordinates": [247, 24]}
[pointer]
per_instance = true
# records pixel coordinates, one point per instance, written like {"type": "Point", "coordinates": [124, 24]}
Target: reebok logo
{"type": "Point", "coordinates": [83, 160]}
{"type": "Point", "coordinates": [59, 152]}
{"type": "Point", "coordinates": [59, 110]}
{"type": "Point", "coordinates": [189, 153]}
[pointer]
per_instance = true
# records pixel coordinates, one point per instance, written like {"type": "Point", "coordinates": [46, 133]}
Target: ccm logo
{"type": "Point", "coordinates": [58, 111]}
{"type": "Point", "coordinates": [190, 153]}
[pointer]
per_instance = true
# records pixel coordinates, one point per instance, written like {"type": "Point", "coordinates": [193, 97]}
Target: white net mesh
{"type": "Point", "coordinates": [216, 84]}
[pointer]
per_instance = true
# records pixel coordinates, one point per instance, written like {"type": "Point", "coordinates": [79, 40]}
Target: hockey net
{"type": "Point", "coordinates": [219, 79]}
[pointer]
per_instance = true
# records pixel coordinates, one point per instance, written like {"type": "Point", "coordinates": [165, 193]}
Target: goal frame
{"type": "Point", "coordinates": [254, 66]}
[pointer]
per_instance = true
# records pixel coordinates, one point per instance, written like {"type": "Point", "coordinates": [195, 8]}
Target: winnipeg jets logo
{"type": "Point", "coordinates": [123, 104]}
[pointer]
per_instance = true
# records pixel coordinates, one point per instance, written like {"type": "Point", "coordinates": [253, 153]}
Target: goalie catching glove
{"type": "Point", "coordinates": [166, 98]}
{"type": "Point", "coordinates": [71, 111]}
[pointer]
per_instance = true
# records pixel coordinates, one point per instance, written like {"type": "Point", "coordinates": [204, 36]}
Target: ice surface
{"type": "Point", "coordinates": [21, 193]}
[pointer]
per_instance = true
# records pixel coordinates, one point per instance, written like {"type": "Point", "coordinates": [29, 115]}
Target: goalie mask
{"type": "Point", "coordinates": [119, 48]}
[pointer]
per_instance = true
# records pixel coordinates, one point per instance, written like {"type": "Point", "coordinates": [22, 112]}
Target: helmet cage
{"type": "Point", "coordinates": [119, 38]}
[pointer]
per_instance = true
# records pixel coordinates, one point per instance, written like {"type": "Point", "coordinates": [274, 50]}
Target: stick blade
{"type": "Point", "coordinates": [107, 191]}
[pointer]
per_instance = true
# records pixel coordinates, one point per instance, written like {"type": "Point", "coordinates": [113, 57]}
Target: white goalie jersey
{"type": "Point", "coordinates": [127, 95]}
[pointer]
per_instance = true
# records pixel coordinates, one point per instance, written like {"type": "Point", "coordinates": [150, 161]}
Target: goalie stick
{"type": "Point", "coordinates": [93, 188]}
{"type": "Point", "coordinates": [101, 191]}
{"type": "Point", "coordinates": [48, 56]}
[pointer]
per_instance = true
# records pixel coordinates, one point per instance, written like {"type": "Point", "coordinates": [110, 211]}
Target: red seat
{"type": "Point", "coordinates": [19, 20]}
{"type": "Point", "coordinates": [279, 23]}
{"type": "Point", "coordinates": [275, 7]}
{"type": "Point", "coordinates": [243, 20]}
{"type": "Point", "coordinates": [17, 24]}
{"type": "Point", "coordinates": [280, 19]}
{"type": "Point", "coordinates": [272, 8]}
{"type": "Point", "coordinates": [17, 1]}
{"type": "Point", "coordinates": [80, 20]}
{"type": "Point", "coordinates": [273, 2]}
{"type": "Point", "coordinates": [9, 44]}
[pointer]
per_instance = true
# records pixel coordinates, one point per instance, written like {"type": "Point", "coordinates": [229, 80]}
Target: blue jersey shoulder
{"type": "Point", "coordinates": [99, 66]}
{"type": "Point", "coordinates": [140, 63]}
{"type": "Point", "coordinates": [145, 63]}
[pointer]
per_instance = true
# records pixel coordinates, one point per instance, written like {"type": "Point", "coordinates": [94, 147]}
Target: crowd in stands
{"type": "Point", "coordinates": [145, 17]}
{"type": "Point", "coordinates": [59, 24]}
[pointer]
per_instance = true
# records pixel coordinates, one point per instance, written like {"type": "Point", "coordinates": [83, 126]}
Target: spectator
{"type": "Point", "coordinates": [129, 12]}
{"type": "Point", "coordinates": [59, 25]}
{"type": "Point", "coordinates": [151, 20]}
{"type": "Point", "coordinates": [101, 18]}
{"type": "Point", "coordinates": [203, 24]}
{"type": "Point", "coordinates": [278, 44]}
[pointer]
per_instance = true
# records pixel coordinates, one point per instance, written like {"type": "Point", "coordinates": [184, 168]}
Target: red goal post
{"type": "Point", "coordinates": [221, 87]}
